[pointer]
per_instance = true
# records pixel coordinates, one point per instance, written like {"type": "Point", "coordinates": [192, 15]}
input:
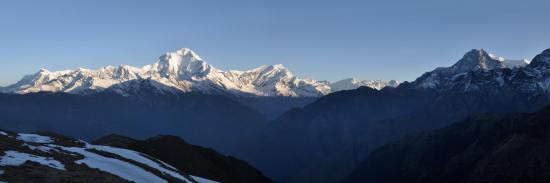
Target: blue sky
{"type": "Point", "coordinates": [318, 39]}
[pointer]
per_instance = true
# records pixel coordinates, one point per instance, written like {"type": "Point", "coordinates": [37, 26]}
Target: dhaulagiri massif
{"type": "Point", "coordinates": [295, 129]}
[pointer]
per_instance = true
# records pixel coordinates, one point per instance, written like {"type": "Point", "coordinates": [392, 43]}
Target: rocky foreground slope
{"type": "Point", "coordinates": [47, 157]}
{"type": "Point", "coordinates": [189, 158]}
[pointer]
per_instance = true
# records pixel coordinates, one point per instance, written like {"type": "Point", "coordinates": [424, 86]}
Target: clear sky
{"type": "Point", "coordinates": [327, 40]}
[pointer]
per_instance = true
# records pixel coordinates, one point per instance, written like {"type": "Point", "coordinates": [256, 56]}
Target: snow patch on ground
{"type": "Point", "coordinates": [14, 158]}
{"type": "Point", "coordinates": [123, 168]}
{"type": "Point", "coordinates": [117, 167]}
{"type": "Point", "coordinates": [34, 138]}
{"type": "Point", "coordinates": [40, 148]}
{"type": "Point", "coordinates": [3, 133]}
{"type": "Point", "coordinates": [139, 158]}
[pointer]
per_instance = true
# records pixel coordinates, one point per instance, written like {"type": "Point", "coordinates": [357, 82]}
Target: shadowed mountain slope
{"type": "Point", "coordinates": [483, 148]}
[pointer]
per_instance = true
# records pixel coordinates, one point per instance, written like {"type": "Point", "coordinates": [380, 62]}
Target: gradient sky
{"type": "Point", "coordinates": [327, 40]}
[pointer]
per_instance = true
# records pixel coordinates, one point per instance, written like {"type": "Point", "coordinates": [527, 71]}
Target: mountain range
{"type": "Point", "coordinates": [292, 129]}
{"type": "Point", "coordinates": [185, 71]}
{"type": "Point", "coordinates": [342, 128]}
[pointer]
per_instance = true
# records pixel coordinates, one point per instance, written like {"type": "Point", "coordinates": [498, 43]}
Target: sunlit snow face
{"type": "Point", "coordinates": [183, 71]}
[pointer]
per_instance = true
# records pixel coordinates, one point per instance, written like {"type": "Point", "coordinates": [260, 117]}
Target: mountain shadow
{"type": "Point", "coordinates": [208, 120]}
{"type": "Point", "coordinates": [483, 148]}
{"type": "Point", "coordinates": [327, 139]}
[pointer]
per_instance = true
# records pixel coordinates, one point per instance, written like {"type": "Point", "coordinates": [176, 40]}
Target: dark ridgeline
{"type": "Point", "coordinates": [483, 148]}
{"type": "Point", "coordinates": [326, 140]}
{"type": "Point", "coordinates": [194, 160]}
{"type": "Point", "coordinates": [273, 107]}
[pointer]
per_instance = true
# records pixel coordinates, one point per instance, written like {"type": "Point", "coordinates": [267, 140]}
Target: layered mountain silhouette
{"type": "Point", "coordinates": [269, 89]}
{"type": "Point", "coordinates": [208, 120]}
{"type": "Point", "coordinates": [290, 128]}
{"type": "Point", "coordinates": [341, 129]}
{"type": "Point", "coordinates": [483, 148]}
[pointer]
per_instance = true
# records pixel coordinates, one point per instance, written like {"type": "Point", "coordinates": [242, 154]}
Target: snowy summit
{"type": "Point", "coordinates": [184, 71]}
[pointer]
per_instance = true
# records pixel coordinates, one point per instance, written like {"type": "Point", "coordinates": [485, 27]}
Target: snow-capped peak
{"type": "Point", "coordinates": [479, 59]}
{"type": "Point", "coordinates": [507, 63]}
{"type": "Point", "coordinates": [180, 71]}
{"type": "Point", "coordinates": [477, 62]}
{"type": "Point", "coordinates": [352, 83]}
{"type": "Point", "coordinates": [494, 57]}
{"type": "Point", "coordinates": [43, 70]}
{"type": "Point", "coordinates": [515, 63]}
{"type": "Point", "coordinates": [188, 52]}
{"type": "Point", "coordinates": [273, 71]}
{"type": "Point", "coordinates": [182, 63]}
